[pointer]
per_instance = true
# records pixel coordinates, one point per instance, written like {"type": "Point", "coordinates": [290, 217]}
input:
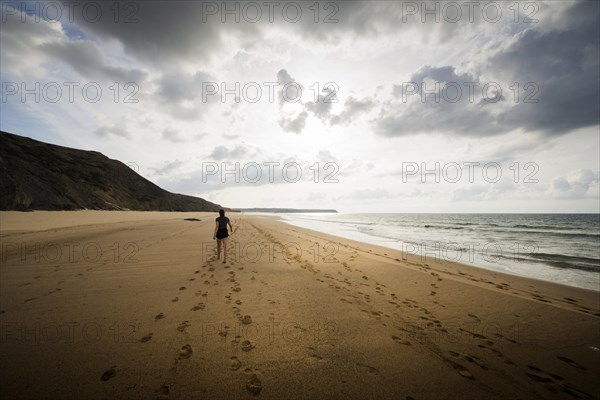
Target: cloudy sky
{"type": "Point", "coordinates": [391, 106]}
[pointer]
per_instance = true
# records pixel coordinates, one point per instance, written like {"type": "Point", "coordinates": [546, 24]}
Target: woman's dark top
{"type": "Point", "coordinates": [222, 229]}
{"type": "Point", "coordinates": [222, 222]}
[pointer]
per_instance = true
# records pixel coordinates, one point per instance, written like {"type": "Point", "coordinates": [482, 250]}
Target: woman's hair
{"type": "Point", "coordinates": [221, 213]}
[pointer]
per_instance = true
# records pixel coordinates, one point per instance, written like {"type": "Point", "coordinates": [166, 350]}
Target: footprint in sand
{"type": "Point", "coordinates": [475, 317]}
{"type": "Point", "coordinates": [254, 385]}
{"type": "Point", "coordinates": [491, 349]}
{"type": "Point", "coordinates": [537, 378]}
{"type": "Point", "coordinates": [159, 317]}
{"type": "Point", "coordinates": [372, 370]}
{"type": "Point", "coordinates": [571, 362]}
{"type": "Point", "coordinates": [234, 364]}
{"type": "Point", "coordinates": [199, 306]}
{"type": "Point", "coordinates": [247, 345]}
{"type": "Point", "coordinates": [401, 341]}
{"type": "Point", "coordinates": [164, 390]}
{"type": "Point", "coordinates": [462, 371]}
{"type": "Point", "coordinates": [472, 359]}
{"type": "Point", "coordinates": [185, 352]}
{"type": "Point", "coordinates": [182, 288]}
{"type": "Point", "coordinates": [476, 335]}
{"type": "Point", "coordinates": [246, 320]}
{"type": "Point", "coordinates": [175, 300]}
{"type": "Point", "coordinates": [110, 373]}
{"type": "Point", "coordinates": [541, 298]}
{"type": "Point", "coordinates": [146, 338]}
{"type": "Point", "coordinates": [183, 326]}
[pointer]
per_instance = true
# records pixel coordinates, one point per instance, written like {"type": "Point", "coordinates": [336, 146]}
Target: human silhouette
{"type": "Point", "coordinates": [221, 234]}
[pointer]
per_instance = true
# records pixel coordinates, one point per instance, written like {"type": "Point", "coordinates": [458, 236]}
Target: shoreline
{"type": "Point", "coordinates": [418, 260]}
{"type": "Point", "coordinates": [294, 313]}
{"type": "Point", "coordinates": [516, 267]}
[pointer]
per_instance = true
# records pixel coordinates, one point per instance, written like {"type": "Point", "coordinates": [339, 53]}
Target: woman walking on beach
{"type": "Point", "coordinates": [221, 234]}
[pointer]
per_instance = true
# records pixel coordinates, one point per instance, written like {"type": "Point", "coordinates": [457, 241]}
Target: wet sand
{"type": "Point", "coordinates": [134, 305]}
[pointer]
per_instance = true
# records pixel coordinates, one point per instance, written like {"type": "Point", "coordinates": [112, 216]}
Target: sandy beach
{"type": "Point", "coordinates": [134, 305]}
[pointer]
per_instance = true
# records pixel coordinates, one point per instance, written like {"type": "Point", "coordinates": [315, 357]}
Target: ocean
{"type": "Point", "coordinates": [561, 248]}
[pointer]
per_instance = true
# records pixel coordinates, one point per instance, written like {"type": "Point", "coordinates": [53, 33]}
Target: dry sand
{"type": "Point", "coordinates": [132, 305]}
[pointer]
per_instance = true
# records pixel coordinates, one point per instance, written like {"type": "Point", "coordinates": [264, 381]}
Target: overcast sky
{"type": "Point", "coordinates": [340, 105]}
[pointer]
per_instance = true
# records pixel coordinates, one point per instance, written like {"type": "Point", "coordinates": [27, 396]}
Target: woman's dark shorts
{"type": "Point", "coordinates": [222, 233]}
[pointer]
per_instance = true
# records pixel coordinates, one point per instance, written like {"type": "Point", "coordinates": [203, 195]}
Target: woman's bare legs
{"type": "Point", "coordinates": [224, 240]}
{"type": "Point", "coordinates": [224, 250]}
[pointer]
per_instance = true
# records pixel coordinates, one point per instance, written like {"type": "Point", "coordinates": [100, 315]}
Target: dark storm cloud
{"type": "Point", "coordinates": [330, 22]}
{"type": "Point", "coordinates": [162, 33]}
{"type": "Point", "coordinates": [88, 61]}
{"type": "Point", "coordinates": [166, 33]}
{"type": "Point", "coordinates": [176, 87]}
{"type": "Point", "coordinates": [437, 100]}
{"type": "Point", "coordinates": [560, 68]}
{"type": "Point", "coordinates": [564, 64]}
{"type": "Point", "coordinates": [185, 96]}
{"type": "Point", "coordinates": [32, 43]}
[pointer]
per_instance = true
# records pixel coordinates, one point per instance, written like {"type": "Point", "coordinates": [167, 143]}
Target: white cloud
{"type": "Point", "coordinates": [577, 184]}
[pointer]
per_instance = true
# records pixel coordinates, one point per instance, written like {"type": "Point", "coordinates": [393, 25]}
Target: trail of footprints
{"type": "Point", "coordinates": [253, 383]}
{"type": "Point", "coordinates": [407, 330]}
{"type": "Point", "coordinates": [461, 363]}
{"type": "Point", "coordinates": [410, 332]}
